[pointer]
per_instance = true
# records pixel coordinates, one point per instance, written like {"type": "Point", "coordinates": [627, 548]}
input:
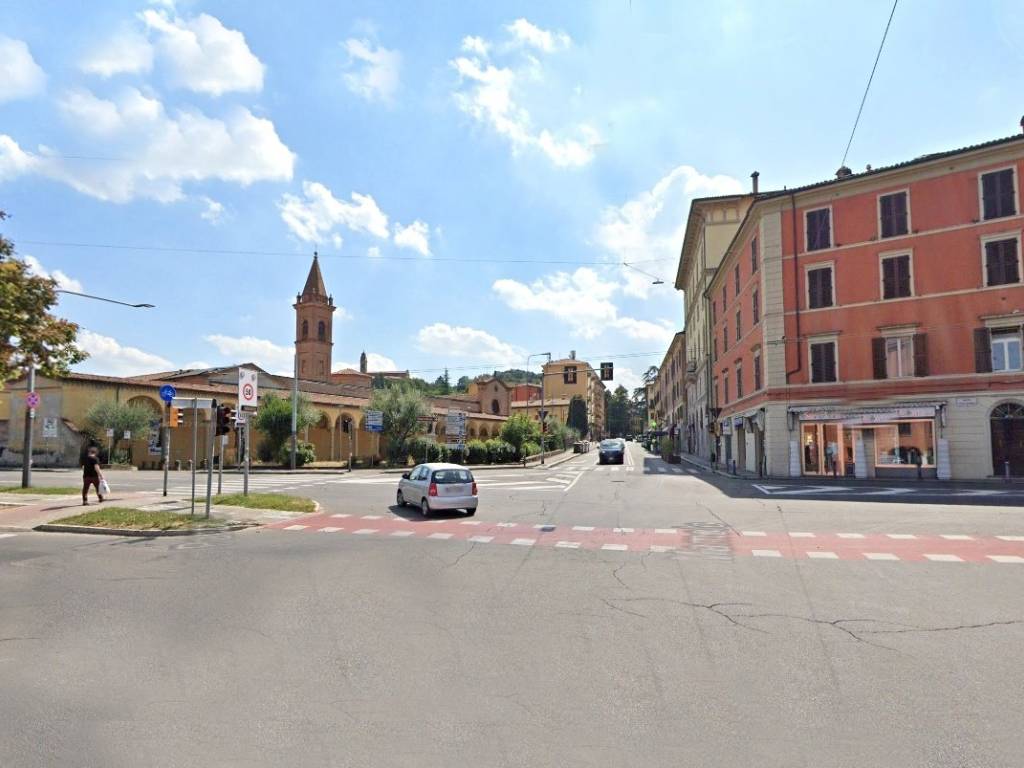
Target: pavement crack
{"type": "Point", "coordinates": [11, 639]}
{"type": "Point", "coordinates": [954, 628]}
{"type": "Point", "coordinates": [620, 609]}
{"type": "Point", "coordinates": [458, 559]}
{"type": "Point", "coordinates": [615, 574]}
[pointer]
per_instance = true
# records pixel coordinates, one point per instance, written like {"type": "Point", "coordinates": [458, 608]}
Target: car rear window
{"type": "Point", "coordinates": [452, 476]}
{"type": "Point", "coordinates": [610, 444]}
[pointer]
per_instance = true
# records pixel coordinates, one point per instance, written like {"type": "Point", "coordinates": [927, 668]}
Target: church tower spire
{"type": "Point", "coordinates": [314, 309]}
{"type": "Point", "coordinates": [362, 362]}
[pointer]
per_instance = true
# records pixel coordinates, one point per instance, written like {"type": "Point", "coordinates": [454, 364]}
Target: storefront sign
{"type": "Point", "coordinates": [737, 421]}
{"type": "Point", "coordinates": [966, 402]}
{"type": "Point", "coordinates": [869, 417]}
{"type": "Point", "coordinates": [726, 427]}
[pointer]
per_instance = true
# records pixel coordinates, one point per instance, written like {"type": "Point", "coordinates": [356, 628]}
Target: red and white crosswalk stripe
{"type": "Point", "coordinates": [794, 545]}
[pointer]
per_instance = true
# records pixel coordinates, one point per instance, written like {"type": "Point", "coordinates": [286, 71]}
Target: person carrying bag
{"type": "Point", "coordinates": [92, 476]}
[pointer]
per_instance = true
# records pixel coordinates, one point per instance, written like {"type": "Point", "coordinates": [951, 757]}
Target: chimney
{"type": "Point", "coordinates": [753, 177]}
{"type": "Point", "coordinates": [572, 354]}
{"type": "Point", "coordinates": [843, 172]}
{"type": "Point", "coordinates": [1022, 124]}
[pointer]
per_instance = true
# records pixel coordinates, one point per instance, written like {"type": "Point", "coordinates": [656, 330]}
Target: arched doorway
{"type": "Point", "coordinates": [1007, 425]}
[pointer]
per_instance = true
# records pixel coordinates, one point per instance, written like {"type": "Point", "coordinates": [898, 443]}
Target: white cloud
{"type": "Point", "coordinates": [312, 217]}
{"type": "Point", "coordinates": [244, 349]}
{"type": "Point", "coordinates": [14, 161]}
{"type": "Point", "coordinates": [415, 236]}
{"type": "Point", "coordinates": [197, 364]}
{"type": "Point", "coordinates": [373, 252]}
{"type": "Point", "coordinates": [583, 301]}
{"type": "Point", "coordinates": [373, 71]}
{"type": "Point", "coordinates": [627, 377]}
{"type": "Point", "coordinates": [651, 225]}
{"type": "Point", "coordinates": [486, 93]}
{"type": "Point", "coordinates": [127, 52]}
{"type": "Point", "coordinates": [374, 362]}
{"type": "Point", "coordinates": [203, 55]}
{"type": "Point", "coordinates": [63, 281]}
{"type": "Point", "coordinates": [213, 211]}
{"type": "Point", "coordinates": [158, 153]}
{"type": "Point", "coordinates": [337, 240]}
{"type": "Point", "coordinates": [108, 356]}
{"type": "Point", "coordinates": [471, 343]}
{"type": "Point", "coordinates": [525, 33]}
{"type": "Point", "coordinates": [20, 76]}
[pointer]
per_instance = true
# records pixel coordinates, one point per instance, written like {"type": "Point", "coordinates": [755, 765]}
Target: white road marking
{"type": "Point", "coordinates": [823, 555]}
{"type": "Point", "coordinates": [524, 542]}
{"type": "Point", "coordinates": [516, 483]}
{"type": "Point", "coordinates": [944, 558]}
{"type": "Point", "coordinates": [481, 539]}
{"type": "Point", "coordinates": [615, 469]}
{"type": "Point", "coordinates": [296, 527]}
{"type": "Point", "coordinates": [665, 530]}
{"type": "Point", "coordinates": [801, 535]}
{"type": "Point", "coordinates": [570, 485]}
{"type": "Point", "coordinates": [341, 515]}
{"type": "Point", "coordinates": [629, 468]}
{"type": "Point", "coordinates": [506, 525]}
{"type": "Point", "coordinates": [7, 535]}
{"type": "Point", "coordinates": [753, 533]}
{"type": "Point", "coordinates": [850, 535]}
{"type": "Point", "coordinates": [583, 527]}
{"type": "Point", "coordinates": [660, 548]}
{"type": "Point", "coordinates": [765, 553]}
{"type": "Point", "coordinates": [567, 544]}
{"type": "Point", "coordinates": [470, 522]}
{"type": "Point", "coordinates": [330, 529]}
{"type": "Point", "coordinates": [676, 470]}
{"type": "Point", "coordinates": [615, 547]}
{"type": "Point", "coordinates": [402, 533]}
{"type": "Point", "coordinates": [662, 469]}
{"type": "Point", "coordinates": [437, 535]}
{"type": "Point", "coordinates": [901, 536]}
{"type": "Point", "coordinates": [1006, 558]}
{"type": "Point", "coordinates": [880, 556]}
{"type": "Point", "coordinates": [365, 530]}
{"type": "Point", "coordinates": [957, 537]}
{"type": "Point", "coordinates": [371, 517]}
{"type": "Point", "coordinates": [624, 530]}
{"type": "Point", "coordinates": [1011, 538]}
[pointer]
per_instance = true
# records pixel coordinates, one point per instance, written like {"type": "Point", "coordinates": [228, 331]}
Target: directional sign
{"type": "Point", "coordinates": [374, 421]}
{"type": "Point", "coordinates": [110, 432]}
{"type": "Point", "coordinates": [167, 393]}
{"type": "Point", "coordinates": [32, 399]}
{"type": "Point", "coordinates": [455, 424]}
{"type": "Point", "coordinates": [248, 393]}
{"type": "Point", "coordinates": [187, 403]}
{"type": "Point", "coordinates": [127, 434]}
{"type": "Point", "coordinates": [50, 427]}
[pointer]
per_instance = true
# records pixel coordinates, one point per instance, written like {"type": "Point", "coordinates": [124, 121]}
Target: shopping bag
{"type": "Point", "coordinates": [104, 487]}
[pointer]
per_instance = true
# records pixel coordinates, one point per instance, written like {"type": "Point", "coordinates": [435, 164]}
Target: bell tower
{"type": "Point", "coordinates": [313, 332]}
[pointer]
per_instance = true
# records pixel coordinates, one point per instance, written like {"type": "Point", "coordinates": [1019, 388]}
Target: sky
{"type": "Point", "coordinates": [473, 175]}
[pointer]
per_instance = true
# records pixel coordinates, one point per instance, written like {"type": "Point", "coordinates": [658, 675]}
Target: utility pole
{"type": "Point", "coordinates": [195, 449]}
{"type": "Point", "coordinates": [295, 408]}
{"type": "Point", "coordinates": [211, 436]}
{"type": "Point", "coordinates": [167, 442]}
{"type": "Point", "coordinates": [543, 429]}
{"type": "Point", "coordinates": [30, 417]}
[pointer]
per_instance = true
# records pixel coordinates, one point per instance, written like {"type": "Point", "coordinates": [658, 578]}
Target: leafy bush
{"type": "Point", "coordinates": [265, 451]}
{"type": "Point", "coordinates": [667, 449]}
{"type": "Point", "coordinates": [476, 452]}
{"type": "Point", "coordinates": [530, 449]}
{"type": "Point", "coordinates": [274, 421]}
{"type": "Point", "coordinates": [423, 450]}
{"type": "Point", "coordinates": [500, 452]}
{"type": "Point", "coordinates": [305, 453]}
{"type": "Point", "coordinates": [519, 429]}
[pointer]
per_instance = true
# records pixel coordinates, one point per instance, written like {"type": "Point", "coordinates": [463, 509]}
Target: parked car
{"type": "Point", "coordinates": [436, 487]}
{"type": "Point", "coordinates": [611, 451]}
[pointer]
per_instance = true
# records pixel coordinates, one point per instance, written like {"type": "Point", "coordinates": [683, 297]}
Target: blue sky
{"type": "Point", "coordinates": [396, 137]}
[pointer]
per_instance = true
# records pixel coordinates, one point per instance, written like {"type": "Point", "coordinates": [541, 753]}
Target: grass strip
{"type": "Point", "coordinates": [277, 501]}
{"type": "Point", "coordinates": [44, 490]}
{"type": "Point", "coordinates": [137, 520]}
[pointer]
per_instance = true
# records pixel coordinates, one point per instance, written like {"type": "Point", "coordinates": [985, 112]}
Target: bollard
{"type": "Point", "coordinates": [1006, 471]}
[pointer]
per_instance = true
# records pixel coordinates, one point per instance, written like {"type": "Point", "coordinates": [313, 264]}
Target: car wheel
{"type": "Point", "coordinates": [470, 512]}
{"type": "Point", "coordinates": [425, 508]}
{"type": "Point", "coordinates": [400, 499]}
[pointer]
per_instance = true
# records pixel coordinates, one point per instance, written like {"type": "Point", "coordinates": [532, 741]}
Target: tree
{"type": "Point", "coordinates": [519, 429]}
{"type": "Point", "coordinates": [650, 374]}
{"type": "Point", "coordinates": [402, 407]}
{"type": "Point", "coordinates": [618, 412]}
{"type": "Point", "coordinates": [28, 332]}
{"type": "Point", "coordinates": [274, 420]}
{"type": "Point", "coordinates": [120, 417]}
{"type": "Point", "coordinates": [462, 384]}
{"type": "Point", "coordinates": [577, 418]}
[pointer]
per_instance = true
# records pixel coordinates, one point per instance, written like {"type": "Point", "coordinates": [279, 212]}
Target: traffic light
{"type": "Point", "coordinates": [225, 419]}
{"type": "Point", "coordinates": [175, 417]}
{"type": "Point", "coordinates": [606, 371]}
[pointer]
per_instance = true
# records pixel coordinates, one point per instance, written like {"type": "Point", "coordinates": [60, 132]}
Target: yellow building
{"type": "Point", "coordinates": [557, 408]}
{"type": "Point", "coordinates": [60, 432]}
{"type": "Point", "coordinates": [569, 378]}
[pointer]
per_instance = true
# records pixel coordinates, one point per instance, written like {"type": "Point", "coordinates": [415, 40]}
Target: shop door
{"type": "Point", "coordinates": [822, 445]}
{"type": "Point", "coordinates": [1008, 439]}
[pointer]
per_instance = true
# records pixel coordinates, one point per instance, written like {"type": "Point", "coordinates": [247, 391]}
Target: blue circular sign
{"type": "Point", "coordinates": [167, 393]}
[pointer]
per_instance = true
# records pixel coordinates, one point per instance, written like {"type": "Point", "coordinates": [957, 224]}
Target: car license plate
{"type": "Point", "coordinates": [455, 490]}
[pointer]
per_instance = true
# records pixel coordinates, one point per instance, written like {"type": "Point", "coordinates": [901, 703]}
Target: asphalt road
{"type": "Point", "coordinates": [413, 644]}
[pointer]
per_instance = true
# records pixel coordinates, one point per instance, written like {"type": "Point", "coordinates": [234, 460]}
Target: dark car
{"type": "Point", "coordinates": [611, 452]}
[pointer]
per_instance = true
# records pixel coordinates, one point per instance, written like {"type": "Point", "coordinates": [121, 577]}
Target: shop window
{"type": "Point", "coordinates": [909, 443]}
{"type": "Point", "coordinates": [893, 218]}
{"type": "Point", "coordinates": [823, 361]}
{"type": "Point", "coordinates": [819, 229]}
{"type": "Point", "coordinates": [896, 282]}
{"type": "Point", "coordinates": [998, 194]}
{"type": "Point", "coordinates": [820, 289]}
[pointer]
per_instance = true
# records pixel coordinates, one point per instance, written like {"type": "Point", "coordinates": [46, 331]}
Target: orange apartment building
{"type": "Point", "coordinates": [871, 325]}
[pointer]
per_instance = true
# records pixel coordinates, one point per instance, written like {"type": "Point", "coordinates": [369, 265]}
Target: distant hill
{"type": "Point", "coordinates": [518, 376]}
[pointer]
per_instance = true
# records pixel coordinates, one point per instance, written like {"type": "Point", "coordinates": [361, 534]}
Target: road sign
{"type": "Point", "coordinates": [187, 403]}
{"type": "Point", "coordinates": [374, 421]}
{"type": "Point", "coordinates": [127, 434]}
{"type": "Point", "coordinates": [32, 399]}
{"type": "Point", "coordinates": [248, 392]}
{"type": "Point", "coordinates": [110, 433]}
{"type": "Point", "coordinates": [167, 393]}
{"type": "Point", "coordinates": [49, 426]}
{"type": "Point", "coordinates": [240, 418]}
{"type": "Point", "coordinates": [455, 424]}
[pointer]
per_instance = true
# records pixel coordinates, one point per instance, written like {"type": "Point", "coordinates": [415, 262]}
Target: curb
{"type": "Point", "coordinates": [51, 528]}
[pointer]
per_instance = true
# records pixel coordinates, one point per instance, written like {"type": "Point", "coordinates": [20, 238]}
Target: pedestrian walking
{"type": "Point", "coordinates": [91, 474]}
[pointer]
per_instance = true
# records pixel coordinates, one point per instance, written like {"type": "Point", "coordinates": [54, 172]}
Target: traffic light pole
{"type": "Point", "coordinates": [220, 467]}
{"type": "Point", "coordinates": [209, 455]}
{"type": "Point", "coordinates": [245, 476]}
{"type": "Point", "coordinates": [195, 449]}
{"type": "Point", "coordinates": [30, 417]}
{"type": "Point", "coordinates": [167, 443]}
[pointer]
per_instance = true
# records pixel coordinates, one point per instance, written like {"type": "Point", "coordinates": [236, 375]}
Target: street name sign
{"type": "Point", "coordinates": [248, 392]}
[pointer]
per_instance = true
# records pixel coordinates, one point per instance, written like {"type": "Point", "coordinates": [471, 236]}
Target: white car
{"type": "Point", "coordinates": [436, 487]}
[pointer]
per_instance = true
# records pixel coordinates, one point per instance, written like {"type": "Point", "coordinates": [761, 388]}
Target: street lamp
{"type": "Point", "coordinates": [30, 412]}
{"type": "Point", "coordinates": [656, 281]}
{"type": "Point", "coordinates": [543, 447]}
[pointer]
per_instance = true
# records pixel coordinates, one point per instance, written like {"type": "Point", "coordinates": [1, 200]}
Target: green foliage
{"type": "Point", "coordinates": [462, 384]}
{"type": "Point", "coordinates": [402, 406]}
{"type": "Point", "coordinates": [265, 452]}
{"type": "Point", "coordinates": [519, 429]}
{"type": "Point", "coordinates": [518, 376]}
{"type": "Point", "coordinates": [305, 453]}
{"type": "Point", "coordinates": [423, 450]}
{"type": "Point", "coordinates": [666, 447]}
{"type": "Point", "coordinates": [120, 417]}
{"type": "Point", "coordinates": [278, 501]}
{"type": "Point", "coordinates": [619, 412]}
{"type": "Point", "coordinates": [559, 436]}
{"type": "Point", "coordinates": [577, 418]}
{"type": "Point", "coordinates": [28, 332]}
{"type": "Point", "coordinates": [274, 421]}
{"type": "Point", "coordinates": [500, 451]}
{"type": "Point", "coordinates": [476, 452]}
{"type": "Point", "coordinates": [530, 449]}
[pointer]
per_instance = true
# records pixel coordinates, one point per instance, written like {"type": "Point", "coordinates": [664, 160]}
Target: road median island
{"type": "Point", "coordinates": [275, 501]}
{"type": "Point", "coordinates": [43, 490]}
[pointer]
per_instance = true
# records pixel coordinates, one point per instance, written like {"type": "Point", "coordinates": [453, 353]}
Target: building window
{"type": "Point", "coordinates": [1001, 263]}
{"type": "Point", "coordinates": [725, 338]}
{"type": "Point", "coordinates": [321, 331]}
{"type": "Point", "coordinates": [714, 312]}
{"type": "Point", "coordinates": [715, 390]}
{"type": "Point", "coordinates": [899, 357]}
{"type": "Point", "coordinates": [321, 368]}
{"type": "Point", "coordinates": [1006, 349]}
{"type": "Point", "coordinates": [739, 325]}
{"type": "Point", "coordinates": [819, 287]}
{"type": "Point", "coordinates": [757, 371]}
{"type": "Point", "coordinates": [725, 387]}
{"type": "Point", "coordinates": [569, 374]}
{"type": "Point", "coordinates": [905, 443]}
{"type": "Point", "coordinates": [753, 255]}
{"type": "Point", "coordinates": [755, 306]}
{"type": "Point", "coordinates": [714, 349]}
{"type": "Point", "coordinates": [305, 329]}
{"type": "Point", "coordinates": [998, 194]}
{"type": "Point", "coordinates": [823, 361]}
{"type": "Point", "coordinates": [819, 229]}
{"type": "Point", "coordinates": [893, 218]}
{"type": "Point", "coordinates": [736, 279]}
{"type": "Point", "coordinates": [896, 279]}
{"type": "Point", "coordinates": [495, 407]}
{"type": "Point", "coordinates": [739, 382]}
{"type": "Point", "coordinates": [723, 298]}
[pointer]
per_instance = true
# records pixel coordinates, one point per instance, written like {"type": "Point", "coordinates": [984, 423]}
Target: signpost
{"type": "Point", "coordinates": [49, 427]}
{"type": "Point", "coordinates": [30, 415]}
{"type": "Point", "coordinates": [110, 445]}
{"type": "Point", "coordinates": [375, 421]}
{"type": "Point", "coordinates": [167, 394]}
{"type": "Point", "coordinates": [455, 431]}
{"type": "Point", "coordinates": [248, 400]}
